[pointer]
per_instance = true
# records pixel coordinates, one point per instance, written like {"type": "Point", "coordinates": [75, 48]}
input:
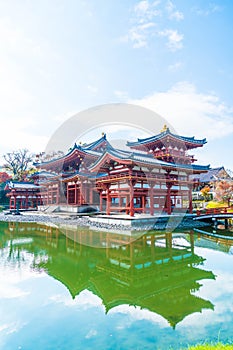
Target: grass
{"type": "Point", "coordinates": [218, 346]}
{"type": "Point", "coordinates": [213, 205]}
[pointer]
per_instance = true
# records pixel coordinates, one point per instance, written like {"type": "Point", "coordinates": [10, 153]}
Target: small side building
{"type": "Point", "coordinates": [23, 195]}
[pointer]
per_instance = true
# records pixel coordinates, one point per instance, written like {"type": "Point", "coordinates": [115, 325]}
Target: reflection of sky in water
{"type": "Point", "coordinates": [38, 312]}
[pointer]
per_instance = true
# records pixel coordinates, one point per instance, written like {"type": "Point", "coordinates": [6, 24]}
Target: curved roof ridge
{"type": "Point", "coordinates": [75, 147]}
{"type": "Point", "coordinates": [91, 145]}
{"type": "Point", "coordinates": [163, 134]}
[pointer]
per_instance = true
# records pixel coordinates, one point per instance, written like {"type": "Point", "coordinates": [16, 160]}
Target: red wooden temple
{"type": "Point", "coordinates": [153, 175]}
{"type": "Point", "coordinates": [23, 195]}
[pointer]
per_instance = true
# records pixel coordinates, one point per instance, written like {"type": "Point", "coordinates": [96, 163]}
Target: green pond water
{"type": "Point", "coordinates": [72, 288]}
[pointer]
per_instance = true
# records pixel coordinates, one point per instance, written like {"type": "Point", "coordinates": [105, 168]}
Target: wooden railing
{"type": "Point", "coordinates": [223, 210]}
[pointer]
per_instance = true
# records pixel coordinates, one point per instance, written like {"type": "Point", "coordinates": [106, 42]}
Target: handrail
{"type": "Point", "coordinates": [211, 211]}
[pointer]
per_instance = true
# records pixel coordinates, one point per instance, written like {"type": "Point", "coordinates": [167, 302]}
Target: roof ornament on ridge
{"type": "Point", "coordinates": [165, 128]}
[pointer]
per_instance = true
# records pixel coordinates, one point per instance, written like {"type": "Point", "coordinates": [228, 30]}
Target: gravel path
{"type": "Point", "coordinates": [44, 218]}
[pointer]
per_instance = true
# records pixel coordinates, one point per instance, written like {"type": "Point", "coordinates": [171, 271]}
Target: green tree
{"type": "Point", "coordinates": [205, 191]}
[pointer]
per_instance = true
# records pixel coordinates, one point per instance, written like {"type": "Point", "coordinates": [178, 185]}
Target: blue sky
{"type": "Point", "coordinates": [60, 57]}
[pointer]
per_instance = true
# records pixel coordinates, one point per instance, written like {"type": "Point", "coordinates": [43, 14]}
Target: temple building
{"type": "Point", "coordinates": [154, 174]}
{"type": "Point", "coordinates": [23, 195]}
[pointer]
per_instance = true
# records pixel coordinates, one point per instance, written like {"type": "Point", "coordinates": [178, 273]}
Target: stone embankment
{"type": "Point", "coordinates": [44, 218]}
{"type": "Point", "coordinates": [169, 223]}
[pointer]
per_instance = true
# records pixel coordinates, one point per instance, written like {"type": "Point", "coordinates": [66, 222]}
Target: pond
{"type": "Point", "coordinates": [65, 288]}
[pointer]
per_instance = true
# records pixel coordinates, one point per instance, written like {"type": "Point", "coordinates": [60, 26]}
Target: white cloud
{"type": "Point", "coordinates": [175, 66]}
{"type": "Point", "coordinates": [210, 9]}
{"type": "Point", "coordinates": [92, 333]}
{"type": "Point", "coordinates": [143, 19]}
{"type": "Point", "coordinates": [138, 314]}
{"type": "Point", "coordinates": [17, 108]}
{"type": "Point", "coordinates": [85, 299]}
{"type": "Point", "coordinates": [141, 7]}
{"type": "Point", "coordinates": [147, 23]}
{"type": "Point", "coordinates": [173, 13]}
{"type": "Point", "coordinates": [146, 10]}
{"type": "Point", "coordinates": [11, 278]}
{"type": "Point", "coordinates": [139, 34]}
{"type": "Point", "coordinates": [121, 95]}
{"type": "Point", "coordinates": [191, 112]}
{"type": "Point", "coordinates": [174, 39]}
{"type": "Point", "coordinates": [93, 89]}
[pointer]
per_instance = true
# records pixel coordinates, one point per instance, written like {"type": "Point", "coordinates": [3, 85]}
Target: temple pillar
{"type": "Point", "coordinates": [120, 201]}
{"type": "Point", "coordinates": [143, 203]}
{"type": "Point", "coordinates": [26, 201]}
{"type": "Point", "coordinates": [57, 194]}
{"type": "Point", "coordinates": [151, 195]}
{"type": "Point", "coordinates": [67, 194]}
{"type": "Point", "coordinates": [168, 200]}
{"type": "Point", "coordinates": [75, 193]}
{"type": "Point", "coordinates": [168, 195]}
{"type": "Point", "coordinates": [14, 203]}
{"type": "Point", "coordinates": [90, 194]}
{"type": "Point", "coordinates": [131, 198]}
{"type": "Point", "coordinates": [48, 195]}
{"type": "Point", "coordinates": [81, 200]}
{"type": "Point", "coordinates": [108, 200]}
{"type": "Point", "coordinates": [190, 199]}
{"type": "Point", "coordinates": [101, 200]}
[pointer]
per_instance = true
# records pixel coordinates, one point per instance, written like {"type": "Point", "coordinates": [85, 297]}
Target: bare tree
{"type": "Point", "coordinates": [44, 157]}
{"type": "Point", "coordinates": [18, 162]}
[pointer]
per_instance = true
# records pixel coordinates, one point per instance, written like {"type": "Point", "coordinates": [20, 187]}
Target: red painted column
{"type": "Point", "coordinates": [58, 193]}
{"type": "Point", "coordinates": [67, 194]}
{"type": "Point", "coordinates": [151, 194]}
{"type": "Point", "coordinates": [13, 203]}
{"type": "Point", "coordinates": [131, 198]}
{"type": "Point", "coordinates": [168, 196]}
{"type": "Point", "coordinates": [169, 207]}
{"type": "Point", "coordinates": [143, 204]}
{"type": "Point", "coordinates": [101, 201]}
{"type": "Point", "coordinates": [26, 201]}
{"type": "Point", "coordinates": [108, 201]}
{"type": "Point", "coordinates": [90, 194]}
{"type": "Point", "coordinates": [81, 192]}
{"type": "Point", "coordinates": [190, 200]}
{"type": "Point", "coordinates": [120, 201]}
{"type": "Point", "coordinates": [75, 193]}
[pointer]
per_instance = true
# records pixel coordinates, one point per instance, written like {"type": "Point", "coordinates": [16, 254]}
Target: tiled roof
{"type": "Point", "coordinates": [128, 155]}
{"type": "Point", "coordinates": [92, 145]}
{"type": "Point", "coordinates": [75, 147]}
{"type": "Point", "coordinates": [21, 185]}
{"type": "Point", "coordinates": [89, 175]}
{"type": "Point", "coordinates": [42, 173]}
{"type": "Point", "coordinates": [212, 175]}
{"type": "Point", "coordinates": [164, 134]}
{"type": "Point", "coordinates": [145, 159]}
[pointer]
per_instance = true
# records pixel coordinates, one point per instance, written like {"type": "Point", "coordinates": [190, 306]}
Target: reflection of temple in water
{"type": "Point", "coordinates": [158, 272]}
